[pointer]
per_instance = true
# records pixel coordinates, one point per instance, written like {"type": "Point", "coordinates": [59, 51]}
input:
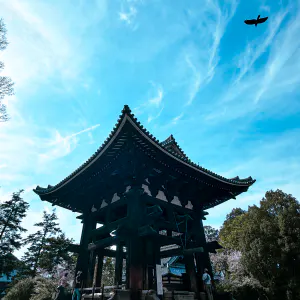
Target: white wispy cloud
{"type": "Point", "coordinates": [154, 105]}
{"type": "Point", "coordinates": [60, 146]}
{"type": "Point", "coordinates": [261, 88]}
{"type": "Point", "coordinates": [279, 58]}
{"type": "Point", "coordinates": [44, 46]}
{"type": "Point", "coordinates": [213, 20]}
{"type": "Point", "coordinates": [255, 49]}
{"type": "Point", "coordinates": [177, 118]}
{"type": "Point", "coordinates": [129, 16]}
{"type": "Point", "coordinates": [195, 85]}
{"type": "Point", "coordinates": [157, 100]}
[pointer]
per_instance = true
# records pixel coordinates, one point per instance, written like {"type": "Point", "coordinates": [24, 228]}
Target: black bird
{"type": "Point", "coordinates": [256, 21]}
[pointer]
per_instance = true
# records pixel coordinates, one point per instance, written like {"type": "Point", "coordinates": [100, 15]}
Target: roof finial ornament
{"type": "Point", "coordinates": [126, 109]}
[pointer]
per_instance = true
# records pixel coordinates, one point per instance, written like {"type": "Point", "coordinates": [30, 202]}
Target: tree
{"type": "Point", "coordinates": [12, 213]}
{"type": "Point", "coordinates": [270, 244]}
{"type": "Point", "coordinates": [6, 84]}
{"type": "Point", "coordinates": [32, 289]}
{"type": "Point", "coordinates": [108, 272]}
{"type": "Point", "coordinates": [38, 241]}
{"type": "Point", "coordinates": [268, 238]}
{"type": "Point", "coordinates": [55, 253]}
{"type": "Point", "coordinates": [21, 290]}
{"type": "Point", "coordinates": [211, 233]}
{"type": "Point", "coordinates": [232, 229]}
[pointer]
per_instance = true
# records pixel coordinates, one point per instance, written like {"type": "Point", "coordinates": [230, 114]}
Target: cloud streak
{"type": "Point", "coordinates": [61, 146]}
{"type": "Point", "coordinates": [154, 105]}
{"type": "Point", "coordinates": [214, 19]}
{"type": "Point", "coordinates": [258, 88]}
{"type": "Point", "coordinates": [255, 49]}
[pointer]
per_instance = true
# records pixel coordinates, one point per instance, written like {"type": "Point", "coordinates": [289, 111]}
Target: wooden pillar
{"type": "Point", "coordinates": [83, 258]}
{"type": "Point", "coordinates": [119, 264]}
{"type": "Point", "coordinates": [149, 265]}
{"type": "Point", "coordinates": [190, 271]}
{"type": "Point", "coordinates": [127, 267]}
{"type": "Point", "coordinates": [157, 261]}
{"type": "Point", "coordinates": [135, 245]}
{"type": "Point", "coordinates": [91, 268]}
{"type": "Point", "coordinates": [135, 259]}
{"type": "Point", "coordinates": [99, 268]}
{"type": "Point", "coordinates": [202, 259]}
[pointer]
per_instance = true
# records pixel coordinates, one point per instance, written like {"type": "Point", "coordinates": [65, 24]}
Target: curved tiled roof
{"type": "Point", "coordinates": [163, 145]}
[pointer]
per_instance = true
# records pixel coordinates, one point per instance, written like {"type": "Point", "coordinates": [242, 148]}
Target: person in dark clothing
{"type": "Point", "coordinates": [77, 285]}
{"type": "Point", "coordinates": [60, 295]}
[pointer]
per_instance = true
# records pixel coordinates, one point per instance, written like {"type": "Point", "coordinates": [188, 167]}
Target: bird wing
{"type": "Point", "coordinates": [250, 22]}
{"type": "Point", "coordinates": [262, 20]}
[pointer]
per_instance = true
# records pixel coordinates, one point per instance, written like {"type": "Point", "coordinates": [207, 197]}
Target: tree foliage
{"type": "Point", "coordinates": [39, 241]}
{"type": "Point", "coordinates": [232, 229]}
{"type": "Point", "coordinates": [108, 273]}
{"type": "Point", "coordinates": [21, 290]}
{"type": "Point", "coordinates": [268, 238]}
{"type": "Point", "coordinates": [6, 84]}
{"type": "Point", "coordinates": [38, 288]}
{"type": "Point", "coordinates": [211, 233]}
{"type": "Point", "coordinates": [12, 213]}
{"type": "Point", "coordinates": [55, 253]}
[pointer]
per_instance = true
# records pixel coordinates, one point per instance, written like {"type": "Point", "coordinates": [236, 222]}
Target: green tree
{"type": "Point", "coordinates": [55, 253]}
{"type": "Point", "coordinates": [38, 241]}
{"type": "Point", "coordinates": [270, 244]}
{"type": "Point", "coordinates": [268, 237]}
{"type": "Point", "coordinates": [12, 213]}
{"type": "Point", "coordinates": [232, 229]}
{"type": "Point", "coordinates": [108, 273]}
{"type": "Point", "coordinates": [211, 233]}
{"type": "Point", "coordinates": [20, 290]}
{"type": "Point", "coordinates": [6, 84]}
{"type": "Point", "coordinates": [38, 288]}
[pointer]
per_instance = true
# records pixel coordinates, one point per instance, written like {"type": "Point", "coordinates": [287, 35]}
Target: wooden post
{"type": "Point", "coordinates": [190, 270]}
{"type": "Point", "coordinates": [99, 269]}
{"type": "Point", "coordinates": [91, 268]}
{"type": "Point", "coordinates": [95, 271]}
{"type": "Point", "coordinates": [135, 245]}
{"type": "Point", "coordinates": [83, 258]}
{"type": "Point", "coordinates": [119, 264]}
{"type": "Point", "coordinates": [202, 259]}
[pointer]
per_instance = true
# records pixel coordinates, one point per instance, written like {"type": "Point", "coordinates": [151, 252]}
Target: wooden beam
{"type": "Point", "coordinates": [103, 243]}
{"type": "Point", "coordinates": [106, 229]}
{"type": "Point", "coordinates": [167, 240]}
{"type": "Point", "coordinates": [74, 248]}
{"type": "Point", "coordinates": [172, 252]}
{"type": "Point", "coordinates": [103, 211]}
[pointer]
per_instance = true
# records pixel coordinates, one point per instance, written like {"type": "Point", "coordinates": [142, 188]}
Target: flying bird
{"type": "Point", "coordinates": [256, 21]}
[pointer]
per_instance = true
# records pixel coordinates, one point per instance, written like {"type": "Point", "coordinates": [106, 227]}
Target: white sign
{"type": "Point", "coordinates": [159, 280]}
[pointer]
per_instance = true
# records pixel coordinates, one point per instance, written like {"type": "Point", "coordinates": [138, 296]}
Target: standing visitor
{"type": "Point", "coordinates": [77, 284]}
{"type": "Point", "coordinates": [63, 283]}
{"type": "Point", "coordinates": [207, 284]}
{"type": "Point", "coordinates": [64, 280]}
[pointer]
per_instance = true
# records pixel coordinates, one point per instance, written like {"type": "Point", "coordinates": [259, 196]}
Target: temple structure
{"type": "Point", "coordinates": [147, 195]}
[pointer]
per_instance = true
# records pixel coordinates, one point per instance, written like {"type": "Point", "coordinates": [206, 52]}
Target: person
{"type": "Point", "coordinates": [76, 294]}
{"type": "Point", "coordinates": [207, 284]}
{"type": "Point", "coordinates": [60, 295]}
{"type": "Point", "coordinates": [64, 280]}
{"type": "Point", "coordinates": [63, 283]}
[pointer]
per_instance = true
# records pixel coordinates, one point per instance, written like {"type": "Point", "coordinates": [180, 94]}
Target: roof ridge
{"type": "Point", "coordinates": [127, 111]}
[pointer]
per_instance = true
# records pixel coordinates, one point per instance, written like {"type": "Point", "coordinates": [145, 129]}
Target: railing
{"type": "Point", "coordinates": [101, 290]}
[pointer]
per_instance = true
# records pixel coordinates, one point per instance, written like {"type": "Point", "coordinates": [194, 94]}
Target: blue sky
{"type": "Point", "coordinates": [228, 92]}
